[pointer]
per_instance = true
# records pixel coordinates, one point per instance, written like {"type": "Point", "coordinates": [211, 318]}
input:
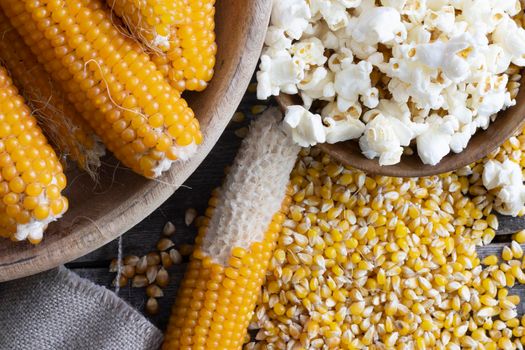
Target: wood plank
{"type": "Point", "coordinates": [509, 225]}
{"type": "Point", "coordinates": [493, 249]}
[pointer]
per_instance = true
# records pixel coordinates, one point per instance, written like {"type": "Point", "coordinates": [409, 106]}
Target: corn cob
{"type": "Point", "coordinates": [150, 20]}
{"type": "Point", "coordinates": [31, 173]}
{"type": "Point", "coordinates": [190, 59]}
{"type": "Point", "coordinates": [138, 116]}
{"type": "Point", "coordinates": [61, 123]}
{"type": "Point", "coordinates": [224, 277]}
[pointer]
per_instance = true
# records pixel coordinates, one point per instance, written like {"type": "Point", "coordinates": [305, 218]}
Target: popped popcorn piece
{"type": "Point", "coordinates": [434, 143]}
{"type": "Point", "coordinates": [317, 85]}
{"type": "Point", "coordinates": [378, 25]}
{"type": "Point", "coordinates": [351, 82]}
{"type": "Point", "coordinates": [383, 137]}
{"type": "Point", "coordinates": [305, 128]}
{"type": "Point", "coordinates": [507, 179]}
{"type": "Point", "coordinates": [343, 129]}
{"type": "Point", "coordinates": [292, 16]}
{"type": "Point", "coordinates": [512, 39]}
{"type": "Point", "coordinates": [277, 73]}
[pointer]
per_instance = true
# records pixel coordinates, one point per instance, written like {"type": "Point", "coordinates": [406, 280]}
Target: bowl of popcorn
{"type": "Point", "coordinates": [397, 87]}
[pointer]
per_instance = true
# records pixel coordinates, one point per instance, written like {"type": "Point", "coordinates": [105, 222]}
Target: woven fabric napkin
{"type": "Point", "coordinates": [58, 310]}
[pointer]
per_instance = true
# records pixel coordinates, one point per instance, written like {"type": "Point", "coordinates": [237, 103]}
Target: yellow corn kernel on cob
{"type": "Point", "coordinates": [190, 60]}
{"type": "Point", "coordinates": [224, 278]}
{"type": "Point", "coordinates": [61, 123]}
{"type": "Point", "coordinates": [150, 20]}
{"type": "Point", "coordinates": [106, 75]}
{"type": "Point", "coordinates": [31, 174]}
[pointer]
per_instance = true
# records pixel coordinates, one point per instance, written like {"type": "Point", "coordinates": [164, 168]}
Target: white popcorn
{"type": "Point", "coordinates": [343, 129]}
{"type": "Point", "coordinates": [379, 25]}
{"type": "Point", "coordinates": [383, 137]}
{"type": "Point", "coordinates": [511, 39]}
{"type": "Point", "coordinates": [434, 143]}
{"type": "Point", "coordinates": [352, 81]}
{"type": "Point", "coordinates": [278, 73]}
{"type": "Point", "coordinates": [507, 178]}
{"type": "Point", "coordinates": [415, 10]}
{"type": "Point", "coordinates": [442, 19]}
{"type": "Point", "coordinates": [443, 64]}
{"type": "Point", "coordinates": [309, 52]}
{"type": "Point", "coordinates": [317, 85]}
{"type": "Point", "coordinates": [292, 16]}
{"type": "Point", "coordinates": [370, 98]}
{"type": "Point", "coordinates": [333, 12]}
{"type": "Point", "coordinates": [277, 39]}
{"type": "Point", "coordinates": [305, 128]}
{"type": "Point", "coordinates": [444, 56]}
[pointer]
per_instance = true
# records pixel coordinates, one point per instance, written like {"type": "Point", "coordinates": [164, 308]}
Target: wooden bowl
{"type": "Point", "coordinates": [101, 212]}
{"type": "Point", "coordinates": [482, 143]}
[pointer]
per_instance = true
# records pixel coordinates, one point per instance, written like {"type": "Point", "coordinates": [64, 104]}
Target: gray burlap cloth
{"type": "Point", "coordinates": [58, 310]}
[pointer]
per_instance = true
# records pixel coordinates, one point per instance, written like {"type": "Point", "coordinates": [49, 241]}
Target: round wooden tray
{"type": "Point", "coordinates": [101, 212]}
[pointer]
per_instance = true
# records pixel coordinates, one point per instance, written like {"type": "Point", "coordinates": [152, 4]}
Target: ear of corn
{"type": "Point", "coordinates": [150, 20]}
{"type": "Point", "coordinates": [190, 60]}
{"type": "Point", "coordinates": [225, 274]}
{"type": "Point", "coordinates": [61, 123]}
{"type": "Point", "coordinates": [31, 174]}
{"type": "Point", "coordinates": [132, 108]}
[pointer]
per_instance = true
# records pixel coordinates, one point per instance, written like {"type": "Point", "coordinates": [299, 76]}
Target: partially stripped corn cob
{"type": "Point", "coordinates": [150, 20]}
{"type": "Point", "coordinates": [61, 123]}
{"type": "Point", "coordinates": [190, 60]}
{"type": "Point", "coordinates": [139, 117]}
{"type": "Point", "coordinates": [31, 174]}
{"type": "Point", "coordinates": [224, 278]}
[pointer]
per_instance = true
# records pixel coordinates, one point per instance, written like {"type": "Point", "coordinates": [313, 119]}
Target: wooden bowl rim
{"type": "Point", "coordinates": [82, 239]}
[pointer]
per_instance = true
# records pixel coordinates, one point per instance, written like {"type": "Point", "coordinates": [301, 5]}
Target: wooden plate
{"type": "Point", "coordinates": [101, 212]}
{"type": "Point", "coordinates": [482, 143]}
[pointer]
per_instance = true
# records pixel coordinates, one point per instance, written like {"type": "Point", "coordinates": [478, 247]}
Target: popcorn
{"type": "Point", "coordinates": [445, 56]}
{"type": "Point", "coordinates": [506, 178]}
{"type": "Point", "coordinates": [378, 25]}
{"type": "Point", "coordinates": [317, 85]}
{"type": "Point", "coordinates": [333, 12]}
{"type": "Point", "coordinates": [383, 137]}
{"type": "Point", "coordinates": [434, 143]}
{"type": "Point", "coordinates": [442, 19]}
{"type": "Point", "coordinates": [350, 82]}
{"type": "Point", "coordinates": [511, 39]}
{"type": "Point", "coordinates": [343, 129]}
{"type": "Point", "coordinates": [305, 128]}
{"type": "Point", "coordinates": [310, 52]}
{"type": "Point", "coordinates": [278, 73]}
{"type": "Point", "coordinates": [393, 72]}
{"type": "Point", "coordinates": [292, 16]}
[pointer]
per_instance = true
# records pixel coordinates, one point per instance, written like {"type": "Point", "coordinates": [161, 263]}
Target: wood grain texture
{"type": "Point", "coordinates": [100, 212]}
{"type": "Point", "coordinates": [482, 143]}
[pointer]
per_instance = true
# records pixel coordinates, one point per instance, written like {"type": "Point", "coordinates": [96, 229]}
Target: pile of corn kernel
{"type": "Point", "coordinates": [378, 262]}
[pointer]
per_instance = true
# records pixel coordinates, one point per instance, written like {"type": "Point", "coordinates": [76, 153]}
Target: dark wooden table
{"type": "Point", "coordinates": [142, 239]}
